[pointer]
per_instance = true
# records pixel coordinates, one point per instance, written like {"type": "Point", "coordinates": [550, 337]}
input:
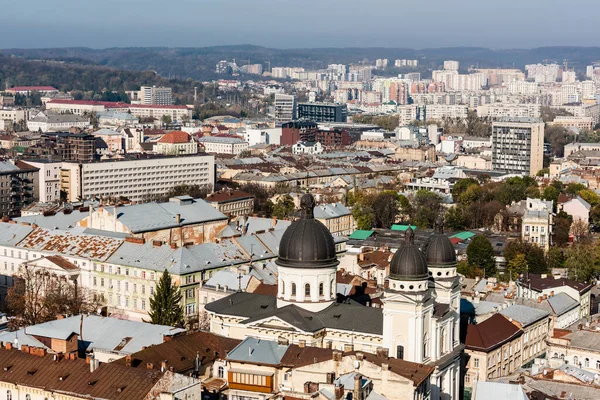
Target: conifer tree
{"type": "Point", "coordinates": [165, 305]}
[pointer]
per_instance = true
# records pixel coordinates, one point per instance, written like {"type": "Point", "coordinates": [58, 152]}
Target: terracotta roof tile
{"type": "Point", "coordinates": [175, 137]}
{"type": "Point", "coordinates": [491, 333]}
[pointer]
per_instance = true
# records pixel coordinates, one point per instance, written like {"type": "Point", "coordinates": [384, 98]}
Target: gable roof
{"type": "Point", "coordinates": [256, 351]}
{"type": "Point", "coordinates": [175, 137]}
{"type": "Point", "coordinates": [491, 333]}
{"type": "Point", "coordinates": [524, 315]}
{"type": "Point", "coordinates": [108, 381]}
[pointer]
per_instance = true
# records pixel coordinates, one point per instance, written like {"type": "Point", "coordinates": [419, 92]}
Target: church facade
{"type": "Point", "coordinates": [419, 320]}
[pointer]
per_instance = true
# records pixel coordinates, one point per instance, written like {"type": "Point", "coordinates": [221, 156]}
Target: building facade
{"type": "Point", "coordinates": [518, 146]}
{"type": "Point", "coordinates": [18, 187]}
{"type": "Point", "coordinates": [323, 112]}
{"type": "Point", "coordinates": [285, 108]}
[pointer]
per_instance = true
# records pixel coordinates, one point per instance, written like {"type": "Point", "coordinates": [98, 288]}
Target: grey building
{"type": "Point", "coordinates": [518, 146]}
{"type": "Point", "coordinates": [323, 112]}
{"type": "Point", "coordinates": [18, 187]}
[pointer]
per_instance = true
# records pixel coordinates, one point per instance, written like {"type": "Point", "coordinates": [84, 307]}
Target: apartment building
{"type": "Point", "coordinates": [18, 187]}
{"type": "Point", "coordinates": [176, 143]}
{"type": "Point", "coordinates": [538, 222]}
{"type": "Point", "coordinates": [499, 111]}
{"type": "Point", "coordinates": [535, 324]}
{"type": "Point", "coordinates": [48, 121]}
{"type": "Point", "coordinates": [285, 108]}
{"type": "Point", "coordinates": [234, 203]}
{"type": "Point", "coordinates": [79, 107]}
{"type": "Point", "coordinates": [48, 181]}
{"type": "Point", "coordinates": [337, 218]}
{"type": "Point", "coordinates": [152, 95]}
{"type": "Point", "coordinates": [575, 122]}
{"type": "Point", "coordinates": [26, 90]}
{"type": "Point", "coordinates": [14, 115]}
{"type": "Point", "coordinates": [223, 144]}
{"type": "Point", "coordinates": [323, 112]}
{"type": "Point", "coordinates": [450, 65]}
{"type": "Point", "coordinates": [493, 349]}
{"type": "Point", "coordinates": [518, 146]}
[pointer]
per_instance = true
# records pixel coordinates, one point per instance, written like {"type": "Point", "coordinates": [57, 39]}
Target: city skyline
{"type": "Point", "coordinates": [213, 23]}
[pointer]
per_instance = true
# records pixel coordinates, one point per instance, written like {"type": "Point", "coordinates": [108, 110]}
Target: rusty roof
{"type": "Point", "coordinates": [71, 243]}
{"type": "Point", "coordinates": [62, 262]}
{"type": "Point", "coordinates": [108, 381]}
{"type": "Point", "coordinates": [180, 352]}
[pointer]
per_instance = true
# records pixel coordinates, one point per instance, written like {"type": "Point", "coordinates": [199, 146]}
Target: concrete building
{"type": "Point", "coordinates": [501, 111]}
{"type": "Point", "coordinates": [223, 145]}
{"type": "Point", "coordinates": [473, 162]}
{"type": "Point", "coordinates": [323, 112]}
{"type": "Point", "coordinates": [538, 222]}
{"type": "Point", "coordinates": [233, 203]}
{"type": "Point", "coordinates": [576, 122]}
{"type": "Point", "coordinates": [18, 187]}
{"type": "Point", "coordinates": [307, 148]}
{"type": "Point", "coordinates": [48, 121]}
{"type": "Point", "coordinates": [285, 108]}
{"type": "Point", "coordinates": [518, 146]}
{"type": "Point", "coordinates": [152, 95]}
{"type": "Point", "coordinates": [48, 181]}
{"type": "Point", "coordinates": [451, 65]}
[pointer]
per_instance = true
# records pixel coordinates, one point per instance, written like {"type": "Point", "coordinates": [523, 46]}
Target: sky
{"type": "Point", "coordinates": [299, 23]}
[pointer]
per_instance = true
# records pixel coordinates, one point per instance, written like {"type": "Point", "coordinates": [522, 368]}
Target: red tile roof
{"type": "Point", "coordinates": [108, 381]}
{"type": "Point", "coordinates": [491, 333]}
{"type": "Point", "coordinates": [174, 137]}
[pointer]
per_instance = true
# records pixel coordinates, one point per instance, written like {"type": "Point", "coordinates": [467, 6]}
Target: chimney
{"type": "Point", "coordinates": [337, 355]}
{"type": "Point", "coordinates": [552, 293]}
{"type": "Point", "coordinates": [149, 366]}
{"type": "Point", "coordinates": [25, 348]}
{"type": "Point", "coordinates": [156, 243]}
{"type": "Point", "coordinates": [88, 358]}
{"type": "Point", "coordinates": [94, 364]}
{"type": "Point", "coordinates": [163, 366]}
{"type": "Point", "coordinates": [357, 386]}
{"type": "Point", "coordinates": [338, 391]}
{"type": "Point", "coordinates": [128, 361]}
{"type": "Point", "coordinates": [302, 343]}
{"type": "Point", "coordinates": [178, 219]}
{"type": "Point", "coordinates": [8, 346]}
{"type": "Point", "coordinates": [385, 367]}
{"type": "Point", "coordinates": [348, 347]}
{"type": "Point", "coordinates": [360, 355]}
{"type": "Point", "coordinates": [539, 299]}
{"type": "Point", "coordinates": [173, 246]}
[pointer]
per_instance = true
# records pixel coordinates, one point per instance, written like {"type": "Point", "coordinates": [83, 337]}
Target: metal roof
{"type": "Point", "coordinates": [327, 211]}
{"type": "Point", "coordinates": [11, 234]}
{"type": "Point", "coordinates": [257, 351]}
{"type": "Point", "coordinates": [498, 391]}
{"type": "Point", "coordinates": [524, 315]}
{"type": "Point", "coordinates": [59, 220]}
{"type": "Point", "coordinates": [361, 234]}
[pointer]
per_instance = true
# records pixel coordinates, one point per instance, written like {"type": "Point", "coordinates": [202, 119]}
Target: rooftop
{"type": "Point", "coordinates": [524, 315]}
{"type": "Point", "coordinates": [491, 333]}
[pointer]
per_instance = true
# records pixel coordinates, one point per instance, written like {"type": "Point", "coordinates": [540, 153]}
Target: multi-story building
{"type": "Point", "coordinates": [536, 326]}
{"type": "Point", "coordinates": [298, 131]}
{"type": "Point", "coordinates": [48, 180]}
{"type": "Point", "coordinates": [285, 108]}
{"type": "Point", "coordinates": [79, 107]}
{"type": "Point", "coordinates": [451, 65]}
{"type": "Point", "coordinates": [576, 122]}
{"type": "Point", "coordinates": [48, 121]}
{"type": "Point", "coordinates": [176, 143]}
{"type": "Point", "coordinates": [234, 203]}
{"type": "Point", "coordinates": [26, 90]}
{"type": "Point", "coordinates": [333, 137]}
{"type": "Point", "coordinates": [323, 112]}
{"type": "Point", "coordinates": [502, 111]}
{"type": "Point", "coordinates": [223, 144]}
{"type": "Point", "coordinates": [162, 96]}
{"type": "Point", "coordinates": [337, 218]}
{"type": "Point", "coordinates": [14, 115]}
{"type": "Point", "coordinates": [18, 187]}
{"type": "Point", "coordinates": [537, 223]}
{"type": "Point", "coordinates": [492, 350]}
{"type": "Point", "coordinates": [518, 146]}
{"type": "Point", "coordinates": [544, 73]}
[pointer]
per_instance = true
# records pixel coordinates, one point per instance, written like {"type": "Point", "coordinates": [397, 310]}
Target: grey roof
{"type": "Point", "coordinates": [589, 340]}
{"type": "Point", "coordinates": [349, 316]}
{"type": "Point", "coordinates": [524, 315]}
{"type": "Point", "coordinates": [375, 396]}
{"type": "Point", "coordinates": [153, 216]}
{"type": "Point", "coordinates": [254, 224]}
{"type": "Point", "coordinates": [53, 118]}
{"type": "Point", "coordinates": [562, 303]}
{"type": "Point", "coordinates": [347, 381]}
{"type": "Point", "coordinates": [498, 391]}
{"type": "Point", "coordinates": [220, 139]}
{"type": "Point", "coordinates": [581, 374]}
{"type": "Point", "coordinates": [486, 307]}
{"type": "Point", "coordinates": [58, 220]}
{"type": "Point", "coordinates": [98, 333]}
{"type": "Point", "coordinates": [7, 166]}
{"type": "Point", "coordinates": [230, 279]}
{"type": "Point", "coordinates": [327, 211]}
{"type": "Point", "coordinates": [256, 351]}
{"type": "Point", "coordinates": [11, 234]}
{"type": "Point", "coordinates": [266, 272]}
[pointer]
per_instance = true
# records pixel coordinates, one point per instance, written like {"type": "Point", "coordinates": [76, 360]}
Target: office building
{"type": "Point", "coordinates": [285, 108]}
{"type": "Point", "coordinates": [323, 112]}
{"type": "Point", "coordinates": [518, 146]}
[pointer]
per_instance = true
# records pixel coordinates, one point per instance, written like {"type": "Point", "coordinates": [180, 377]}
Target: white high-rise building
{"type": "Point", "coordinates": [518, 146]}
{"type": "Point", "coordinates": [152, 95]}
{"type": "Point", "coordinates": [450, 65]}
{"type": "Point", "coordinates": [285, 108]}
{"type": "Point", "coordinates": [381, 63]}
{"type": "Point", "coordinates": [569, 77]}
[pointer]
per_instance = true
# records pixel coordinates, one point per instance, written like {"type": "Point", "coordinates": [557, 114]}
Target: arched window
{"type": "Point", "coordinates": [282, 287]}
{"type": "Point", "coordinates": [400, 352]}
{"type": "Point", "coordinates": [321, 289]}
{"type": "Point", "coordinates": [576, 360]}
{"type": "Point", "coordinates": [221, 371]}
{"type": "Point", "coordinates": [555, 355]}
{"type": "Point", "coordinates": [443, 340]}
{"type": "Point", "coordinates": [8, 395]}
{"type": "Point", "coordinates": [586, 362]}
{"type": "Point", "coordinates": [27, 397]}
{"type": "Point", "coordinates": [293, 289]}
{"type": "Point", "coordinates": [333, 291]}
{"type": "Point", "coordinates": [307, 289]}
{"type": "Point", "coordinates": [425, 346]}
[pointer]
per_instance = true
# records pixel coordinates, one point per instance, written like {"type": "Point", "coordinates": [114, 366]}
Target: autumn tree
{"type": "Point", "coordinates": [284, 207]}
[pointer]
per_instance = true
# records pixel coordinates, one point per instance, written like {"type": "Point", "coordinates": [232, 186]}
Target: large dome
{"type": "Point", "coordinates": [409, 263]}
{"type": "Point", "coordinates": [439, 250]}
{"type": "Point", "coordinates": [307, 243]}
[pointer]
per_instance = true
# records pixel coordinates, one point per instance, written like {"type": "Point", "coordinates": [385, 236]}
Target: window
{"type": "Point", "coordinates": [586, 362]}
{"type": "Point", "coordinates": [307, 289]}
{"type": "Point", "coordinates": [282, 287]}
{"type": "Point", "coordinates": [143, 304]}
{"type": "Point", "coordinates": [321, 290]}
{"type": "Point", "coordinates": [476, 362]}
{"type": "Point", "coordinates": [293, 289]}
{"type": "Point", "coordinates": [8, 395]}
{"type": "Point", "coordinates": [598, 364]}
{"type": "Point", "coordinates": [400, 352]}
{"type": "Point", "coordinates": [468, 378]}
{"type": "Point", "coordinates": [27, 397]}
{"type": "Point", "coordinates": [425, 344]}
{"type": "Point", "coordinates": [221, 372]}
{"type": "Point", "coordinates": [576, 360]}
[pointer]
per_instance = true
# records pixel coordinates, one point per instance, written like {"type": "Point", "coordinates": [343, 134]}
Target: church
{"type": "Point", "coordinates": [419, 320]}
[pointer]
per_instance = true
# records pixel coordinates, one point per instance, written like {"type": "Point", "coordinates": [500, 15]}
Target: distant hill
{"type": "Point", "coordinates": [199, 63]}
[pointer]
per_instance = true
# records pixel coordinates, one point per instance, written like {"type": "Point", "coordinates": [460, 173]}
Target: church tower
{"type": "Point", "coordinates": [307, 262]}
{"type": "Point", "coordinates": [441, 260]}
{"type": "Point", "coordinates": [407, 304]}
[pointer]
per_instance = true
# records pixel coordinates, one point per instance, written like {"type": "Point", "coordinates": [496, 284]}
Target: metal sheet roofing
{"type": "Point", "coordinates": [463, 235]}
{"type": "Point", "coordinates": [256, 351]}
{"type": "Point", "coordinates": [11, 234]}
{"type": "Point", "coordinates": [59, 220]}
{"type": "Point", "coordinates": [524, 315]}
{"type": "Point", "coordinates": [403, 228]}
{"type": "Point", "coordinates": [327, 211]}
{"type": "Point", "coordinates": [361, 234]}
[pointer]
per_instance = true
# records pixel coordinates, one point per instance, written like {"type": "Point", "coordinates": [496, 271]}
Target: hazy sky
{"type": "Point", "coordinates": [299, 23]}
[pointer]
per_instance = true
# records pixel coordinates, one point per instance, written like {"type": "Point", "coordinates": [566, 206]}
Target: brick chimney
{"type": "Point", "coordinates": [338, 391]}
{"type": "Point", "coordinates": [149, 366]}
{"type": "Point", "coordinates": [128, 360]}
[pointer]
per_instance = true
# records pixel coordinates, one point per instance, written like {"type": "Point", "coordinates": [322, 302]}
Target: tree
{"type": "Point", "coordinates": [427, 208]}
{"type": "Point", "coordinates": [455, 219]}
{"type": "Point", "coordinates": [517, 266]}
{"type": "Point", "coordinates": [534, 255]}
{"type": "Point", "coordinates": [38, 296]}
{"type": "Point", "coordinates": [460, 186]}
{"type": "Point", "coordinates": [551, 193]}
{"type": "Point", "coordinates": [581, 262]}
{"type": "Point", "coordinates": [590, 196]}
{"type": "Point", "coordinates": [580, 230]}
{"type": "Point", "coordinates": [363, 218]}
{"type": "Point", "coordinates": [562, 227]}
{"type": "Point", "coordinates": [284, 207]}
{"type": "Point", "coordinates": [480, 253]}
{"type": "Point", "coordinates": [166, 120]}
{"type": "Point", "coordinates": [385, 209]}
{"type": "Point", "coordinates": [555, 258]}
{"type": "Point", "coordinates": [165, 304]}
{"type": "Point", "coordinates": [195, 191]}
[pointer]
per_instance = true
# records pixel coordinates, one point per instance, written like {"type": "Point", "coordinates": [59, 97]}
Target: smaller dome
{"type": "Point", "coordinates": [409, 263]}
{"type": "Point", "coordinates": [439, 250]}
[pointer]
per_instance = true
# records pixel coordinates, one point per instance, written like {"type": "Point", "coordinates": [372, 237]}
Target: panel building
{"type": "Point", "coordinates": [518, 146]}
{"type": "Point", "coordinates": [18, 187]}
{"type": "Point", "coordinates": [152, 95]}
{"type": "Point", "coordinates": [323, 112]}
{"type": "Point", "coordinates": [285, 108]}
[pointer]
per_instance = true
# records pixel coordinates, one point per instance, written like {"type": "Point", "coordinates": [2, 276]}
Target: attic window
{"type": "Point", "coordinates": [120, 389]}
{"type": "Point", "coordinates": [337, 316]}
{"type": "Point", "coordinates": [32, 372]}
{"type": "Point", "coordinates": [8, 367]}
{"type": "Point", "coordinates": [63, 377]}
{"type": "Point", "coordinates": [92, 383]}
{"type": "Point", "coordinates": [264, 306]}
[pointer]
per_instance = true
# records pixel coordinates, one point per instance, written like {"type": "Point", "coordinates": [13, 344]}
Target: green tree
{"type": "Point", "coordinates": [427, 208]}
{"type": "Point", "coordinates": [517, 266]}
{"type": "Point", "coordinates": [590, 196]}
{"type": "Point", "coordinates": [562, 227]}
{"type": "Point", "coordinates": [543, 172]}
{"type": "Point", "coordinates": [455, 219]}
{"type": "Point", "coordinates": [480, 253]}
{"type": "Point", "coordinates": [460, 186]}
{"type": "Point", "coordinates": [581, 262]}
{"type": "Point", "coordinates": [166, 119]}
{"type": "Point", "coordinates": [574, 188]}
{"type": "Point", "coordinates": [536, 260]}
{"type": "Point", "coordinates": [555, 258]}
{"type": "Point", "coordinates": [385, 209]}
{"type": "Point", "coordinates": [165, 304]}
{"type": "Point", "coordinates": [364, 220]}
{"type": "Point", "coordinates": [284, 207]}
{"type": "Point", "coordinates": [551, 193]}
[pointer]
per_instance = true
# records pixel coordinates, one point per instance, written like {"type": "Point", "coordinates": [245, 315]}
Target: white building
{"type": "Point", "coordinates": [47, 121]}
{"type": "Point", "coordinates": [223, 145]}
{"type": "Point", "coordinates": [149, 95]}
{"type": "Point", "coordinates": [451, 65]}
{"type": "Point", "coordinates": [285, 108]}
{"type": "Point", "coordinates": [49, 181]}
{"type": "Point", "coordinates": [307, 148]}
{"type": "Point", "coordinates": [498, 111]}
{"type": "Point", "coordinates": [518, 146]}
{"type": "Point", "coordinates": [537, 223]}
